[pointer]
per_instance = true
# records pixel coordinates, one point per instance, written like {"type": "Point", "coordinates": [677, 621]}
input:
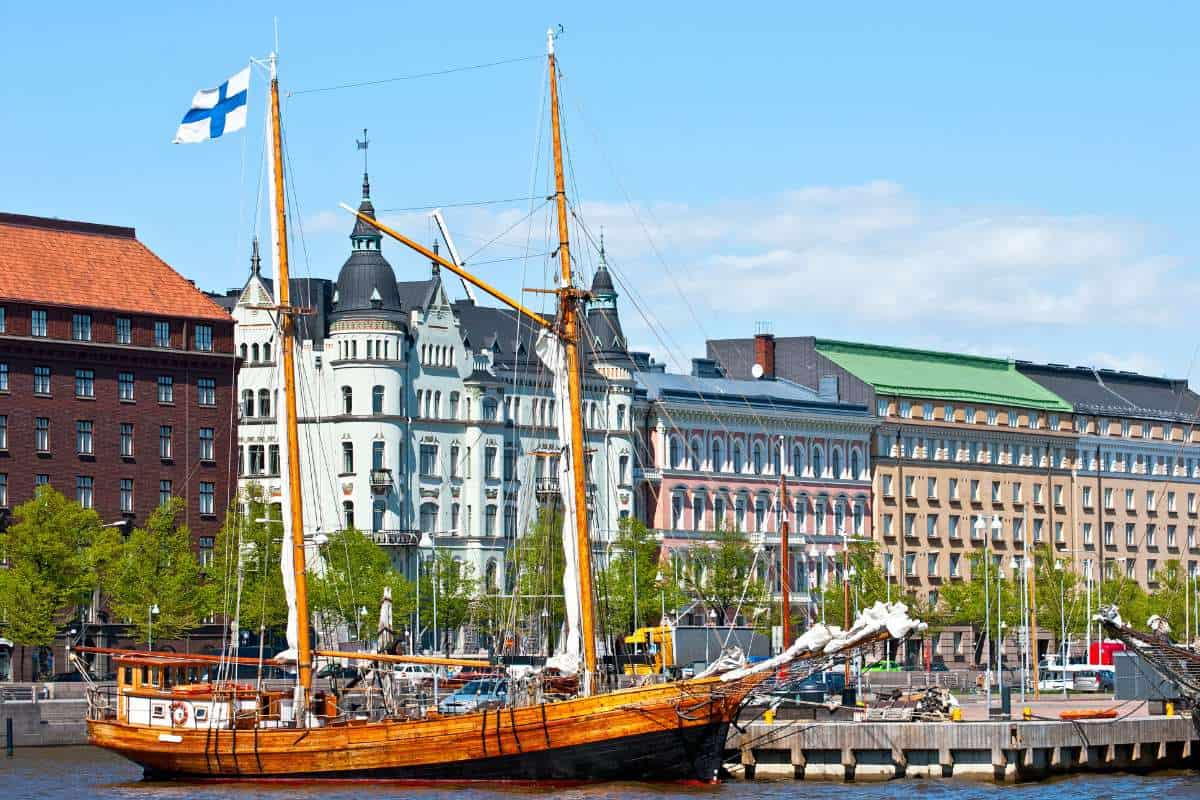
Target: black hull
{"type": "Point", "coordinates": [678, 754]}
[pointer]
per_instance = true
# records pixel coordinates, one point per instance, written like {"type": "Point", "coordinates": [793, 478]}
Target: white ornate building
{"type": "Point", "coordinates": [420, 414]}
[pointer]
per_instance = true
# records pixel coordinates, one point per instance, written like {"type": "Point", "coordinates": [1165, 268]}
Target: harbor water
{"type": "Point", "coordinates": [86, 772]}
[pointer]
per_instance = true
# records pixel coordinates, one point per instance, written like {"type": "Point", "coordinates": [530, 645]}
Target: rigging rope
{"type": "Point", "coordinates": [413, 77]}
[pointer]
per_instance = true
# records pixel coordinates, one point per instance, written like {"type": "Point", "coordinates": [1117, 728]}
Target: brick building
{"type": "Point", "coordinates": [116, 376]}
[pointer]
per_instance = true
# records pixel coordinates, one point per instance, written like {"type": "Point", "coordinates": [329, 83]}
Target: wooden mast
{"type": "Point", "coordinates": [785, 558]}
{"type": "Point", "coordinates": [568, 329]}
{"type": "Point", "coordinates": [287, 329]}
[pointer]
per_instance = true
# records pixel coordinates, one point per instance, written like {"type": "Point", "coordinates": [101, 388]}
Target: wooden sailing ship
{"type": "Point", "coordinates": [170, 716]}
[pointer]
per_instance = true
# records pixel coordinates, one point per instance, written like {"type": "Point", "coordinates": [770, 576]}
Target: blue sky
{"type": "Point", "coordinates": [1017, 182]}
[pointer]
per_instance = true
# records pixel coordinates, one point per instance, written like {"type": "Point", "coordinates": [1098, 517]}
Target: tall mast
{"type": "Point", "coordinates": [568, 329]}
{"type": "Point", "coordinates": [287, 330]}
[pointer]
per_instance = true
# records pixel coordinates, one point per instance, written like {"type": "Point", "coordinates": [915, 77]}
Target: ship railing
{"type": "Point", "coordinates": [101, 702]}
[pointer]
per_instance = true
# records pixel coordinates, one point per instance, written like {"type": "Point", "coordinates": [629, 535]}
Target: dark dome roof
{"type": "Point", "coordinates": [366, 286]}
{"type": "Point", "coordinates": [602, 282]}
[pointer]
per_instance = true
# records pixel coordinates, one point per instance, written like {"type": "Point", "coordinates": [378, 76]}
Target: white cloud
{"type": "Point", "coordinates": [873, 262]}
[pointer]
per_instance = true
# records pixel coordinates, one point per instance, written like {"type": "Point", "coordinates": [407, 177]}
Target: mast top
{"type": "Point", "coordinates": [550, 41]}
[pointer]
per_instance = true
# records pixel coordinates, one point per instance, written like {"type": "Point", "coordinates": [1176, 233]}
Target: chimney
{"type": "Point", "coordinates": [764, 356]}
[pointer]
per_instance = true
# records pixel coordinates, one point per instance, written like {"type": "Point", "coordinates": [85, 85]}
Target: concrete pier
{"type": "Point", "coordinates": [994, 751]}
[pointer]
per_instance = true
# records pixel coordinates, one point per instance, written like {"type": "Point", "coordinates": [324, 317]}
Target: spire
{"type": "Point", "coordinates": [255, 259]}
{"type": "Point", "coordinates": [435, 267]}
{"type": "Point", "coordinates": [366, 187]}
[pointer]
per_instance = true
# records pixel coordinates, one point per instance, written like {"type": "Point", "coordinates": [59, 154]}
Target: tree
{"type": "Point", "coordinates": [868, 584]}
{"type": "Point", "coordinates": [263, 603]}
{"type": "Point", "coordinates": [352, 578]}
{"type": "Point", "coordinates": [157, 567]}
{"type": "Point", "coordinates": [539, 561]}
{"type": "Point", "coordinates": [721, 577]}
{"type": "Point", "coordinates": [55, 548]}
{"type": "Point", "coordinates": [455, 586]}
{"type": "Point", "coordinates": [636, 563]}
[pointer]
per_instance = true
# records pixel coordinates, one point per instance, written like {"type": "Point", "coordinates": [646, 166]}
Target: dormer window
{"type": "Point", "coordinates": [335, 296]}
{"type": "Point", "coordinates": [376, 298]}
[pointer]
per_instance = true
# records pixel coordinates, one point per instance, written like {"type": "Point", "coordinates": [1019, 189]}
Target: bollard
{"type": "Point", "coordinates": [8, 737]}
{"type": "Point", "coordinates": [769, 716]}
{"type": "Point", "coordinates": [1170, 708]}
{"type": "Point", "coordinates": [1027, 713]}
{"type": "Point", "coordinates": [956, 714]}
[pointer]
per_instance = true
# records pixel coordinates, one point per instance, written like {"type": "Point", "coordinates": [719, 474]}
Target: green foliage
{"type": "Point", "coordinates": [539, 561]}
{"type": "Point", "coordinates": [721, 577]}
{"type": "Point", "coordinates": [636, 554]}
{"type": "Point", "coordinates": [262, 598]}
{"type": "Point", "coordinates": [868, 584]}
{"type": "Point", "coordinates": [352, 578]}
{"type": "Point", "coordinates": [456, 588]}
{"type": "Point", "coordinates": [156, 566]}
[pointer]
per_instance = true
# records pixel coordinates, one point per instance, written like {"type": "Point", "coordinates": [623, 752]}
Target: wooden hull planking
{"type": "Point", "coordinates": [670, 731]}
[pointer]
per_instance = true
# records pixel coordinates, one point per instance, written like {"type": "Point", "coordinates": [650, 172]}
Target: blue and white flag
{"type": "Point", "coordinates": [216, 111]}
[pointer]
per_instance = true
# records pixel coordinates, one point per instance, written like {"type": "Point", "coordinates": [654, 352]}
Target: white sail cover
{"type": "Point", "coordinates": [566, 658]}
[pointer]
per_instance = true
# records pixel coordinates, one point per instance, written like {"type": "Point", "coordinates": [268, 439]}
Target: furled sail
{"type": "Point", "coordinates": [552, 353]}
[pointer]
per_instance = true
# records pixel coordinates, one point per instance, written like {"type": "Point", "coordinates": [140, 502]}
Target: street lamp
{"type": "Point", "coordinates": [1062, 617]}
{"type": "Point", "coordinates": [997, 527]}
{"type": "Point", "coordinates": [712, 621]}
{"type": "Point", "coordinates": [150, 625]}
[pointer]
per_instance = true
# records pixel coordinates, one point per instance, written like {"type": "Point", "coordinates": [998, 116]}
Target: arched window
{"type": "Point", "coordinates": [247, 402]}
{"type": "Point", "coordinates": [378, 514]}
{"type": "Point", "coordinates": [739, 513]}
{"type": "Point", "coordinates": [835, 463]}
{"type": "Point", "coordinates": [739, 458]}
{"type": "Point", "coordinates": [264, 403]}
{"type": "Point", "coordinates": [675, 453]}
{"type": "Point", "coordinates": [677, 511]}
{"type": "Point", "coordinates": [453, 405]}
{"type": "Point", "coordinates": [510, 522]}
{"type": "Point", "coordinates": [760, 514]}
{"type": "Point", "coordinates": [816, 461]}
{"type": "Point", "coordinates": [347, 400]}
{"type": "Point", "coordinates": [718, 461]}
{"type": "Point", "coordinates": [266, 351]}
{"type": "Point", "coordinates": [697, 512]}
{"type": "Point", "coordinates": [489, 409]}
{"type": "Point", "coordinates": [348, 514]}
{"type": "Point", "coordinates": [244, 351]}
{"type": "Point", "coordinates": [254, 352]}
{"type": "Point", "coordinates": [839, 517]}
{"type": "Point", "coordinates": [429, 515]}
{"type": "Point", "coordinates": [377, 400]}
{"type": "Point", "coordinates": [855, 466]}
{"type": "Point", "coordinates": [694, 455]}
{"type": "Point", "coordinates": [797, 460]}
{"type": "Point", "coordinates": [801, 512]}
{"type": "Point", "coordinates": [489, 577]}
{"type": "Point", "coordinates": [777, 460]}
{"type": "Point", "coordinates": [436, 411]}
{"type": "Point", "coordinates": [757, 457]}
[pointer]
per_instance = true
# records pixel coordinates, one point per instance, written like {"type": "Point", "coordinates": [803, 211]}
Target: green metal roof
{"type": "Point", "coordinates": [941, 376]}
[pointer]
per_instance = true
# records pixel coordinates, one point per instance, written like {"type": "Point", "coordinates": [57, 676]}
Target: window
{"type": "Point", "coordinates": [1108, 499]}
{"type": "Point", "coordinates": [164, 492]}
{"type": "Point", "coordinates": [206, 444]}
{"type": "Point", "coordinates": [83, 491]}
{"type": "Point", "coordinates": [489, 409]}
{"type": "Point", "coordinates": [974, 491]}
{"type": "Point", "coordinates": [1018, 525]}
{"type": "Point", "coordinates": [41, 380]}
{"type": "Point", "coordinates": [125, 386]}
{"type": "Point", "coordinates": [256, 459]}
{"type": "Point", "coordinates": [347, 400]}
{"type": "Point", "coordinates": [1037, 494]}
{"type": "Point", "coordinates": [698, 512]}
{"type": "Point", "coordinates": [905, 409]}
{"type": "Point", "coordinates": [41, 434]}
{"type": "Point", "coordinates": [620, 417]}
{"type": "Point", "coordinates": [510, 462]}
{"type": "Point", "coordinates": [886, 485]}
{"type": "Point", "coordinates": [1088, 534]}
{"type": "Point", "coordinates": [273, 459]}
{"type": "Point", "coordinates": [247, 403]}
{"type": "Point", "coordinates": [887, 525]}
{"type": "Point", "coordinates": [347, 458]}
{"type": "Point", "coordinates": [1131, 502]}
{"type": "Point", "coordinates": [1151, 500]}
{"type": "Point", "coordinates": [166, 389]}
{"type": "Point", "coordinates": [910, 486]}
{"type": "Point", "coordinates": [348, 514]}
{"type": "Point", "coordinates": [164, 442]}
{"type": "Point", "coordinates": [489, 461]}
{"type": "Point", "coordinates": [264, 402]}
{"type": "Point", "coordinates": [931, 488]}
{"type": "Point", "coordinates": [85, 383]}
{"type": "Point", "coordinates": [126, 494]}
{"type": "Point", "coordinates": [428, 460]}
{"type": "Point", "coordinates": [931, 526]}
{"type": "Point", "coordinates": [489, 521]}
{"type": "Point", "coordinates": [83, 437]}
{"type": "Point", "coordinates": [1172, 541]}
{"type": "Point", "coordinates": [208, 496]}
{"type": "Point", "coordinates": [931, 564]}
{"type": "Point", "coordinates": [38, 323]}
{"type": "Point", "coordinates": [81, 327]}
{"type": "Point", "coordinates": [910, 564]}
{"type": "Point", "coordinates": [124, 330]}
{"type": "Point", "coordinates": [3, 431]}
{"type": "Point", "coordinates": [1151, 535]}
{"type": "Point", "coordinates": [204, 339]}
{"type": "Point", "coordinates": [162, 333]}
{"type": "Point", "coordinates": [206, 392]}
{"type": "Point", "coordinates": [1016, 492]}
{"type": "Point", "coordinates": [995, 491]}
{"type": "Point", "coordinates": [378, 511]}
{"type": "Point", "coordinates": [1191, 503]}
{"type": "Point", "coordinates": [377, 400]}
{"type": "Point", "coordinates": [3, 489]}
{"type": "Point", "coordinates": [1130, 535]}
{"type": "Point", "coordinates": [1087, 497]}
{"type": "Point", "coordinates": [126, 431]}
{"type": "Point", "coordinates": [3, 377]}
{"type": "Point", "coordinates": [41, 479]}
{"type": "Point", "coordinates": [910, 522]}
{"type": "Point", "coordinates": [955, 560]}
{"type": "Point", "coordinates": [453, 405]}
{"type": "Point", "coordinates": [207, 545]}
{"type": "Point", "coordinates": [1038, 525]}
{"type": "Point", "coordinates": [1109, 534]}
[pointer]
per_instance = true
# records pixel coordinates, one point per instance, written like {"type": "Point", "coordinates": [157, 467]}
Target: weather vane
{"type": "Point", "coordinates": [363, 146]}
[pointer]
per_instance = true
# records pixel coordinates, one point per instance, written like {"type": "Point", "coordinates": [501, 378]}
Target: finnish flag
{"type": "Point", "coordinates": [216, 111]}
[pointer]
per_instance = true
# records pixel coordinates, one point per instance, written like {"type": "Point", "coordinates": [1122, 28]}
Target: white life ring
{"type": "Point", "coordinates": [179, 713]}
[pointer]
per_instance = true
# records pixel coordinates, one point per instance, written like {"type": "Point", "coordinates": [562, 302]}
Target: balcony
{"type": "Point", "coordinates": [381, 481]}
{"type": "Point", "coordinates": [395, 538]}
{"type": "Point", "coordinates": [546, 488]}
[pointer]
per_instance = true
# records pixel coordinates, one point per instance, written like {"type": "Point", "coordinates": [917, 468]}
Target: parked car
{"type": "Point", "coordinates": [479, 693]}
{"type": "Point", "coordinates": [883, 666]}
{"type": "Point", "coordinates": [831, 683]}
{"type": "Point", "coordinates": [1086, 681]}
{"type": "Point", "coordinates": [1107, 679]}
{"type": "Point", "coordinates": [338, 671]}
{"type": "Point", "coordinates": [416, 674]}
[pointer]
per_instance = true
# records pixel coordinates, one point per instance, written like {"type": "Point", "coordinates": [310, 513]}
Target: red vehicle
{"type": "Point", "coordinates": [1102, 652]}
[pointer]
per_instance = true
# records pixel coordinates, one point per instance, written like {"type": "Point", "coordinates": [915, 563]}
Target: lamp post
{"type": "Point", "coordinates": [150, 625]}
{"type": "Point", "coordinates": [997, 527]}
{"type": "Point", "coordinates": [662, 622]}
{"type": "Point", "coordinates": [814, 582]}
{"type": "Point", "coordinates": [712, 621]}
{"type": "Point", "coordinates": [829, 561]}
{"type": "Point", "coordinates": [636, 618]}
{"type": "Point", "coordinates": [1062, 617]}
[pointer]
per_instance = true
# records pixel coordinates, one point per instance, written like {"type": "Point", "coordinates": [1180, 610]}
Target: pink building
{"type": "Point", "coordinates": [715, 448]}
